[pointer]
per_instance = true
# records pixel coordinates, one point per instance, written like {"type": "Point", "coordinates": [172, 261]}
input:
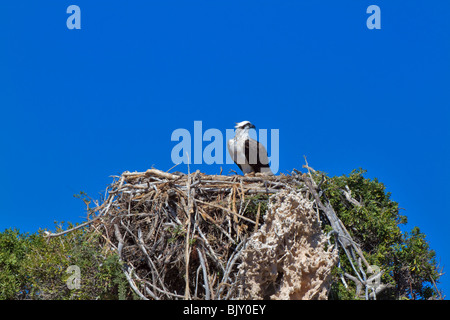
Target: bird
{"type": "Point", "coordinates": [247, 153]}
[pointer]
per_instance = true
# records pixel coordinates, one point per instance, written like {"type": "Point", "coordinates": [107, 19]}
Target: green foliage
{"type": "Point", "coordinates": [406, 258]}
{"type": "Point", "coordinates": [415, 265]}
{"type": "Point", "coordinates": [13, 249]}
{"type": "Point", "coordinates": [34, 267]}
{"type": "Point", "coordinates": [176, 233]}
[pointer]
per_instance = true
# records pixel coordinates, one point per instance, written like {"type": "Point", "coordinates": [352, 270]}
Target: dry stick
{"type": "Point", "coordinates": [164, 292]}
{"type": "Point", "coordinates": [234, 203]}
{"type": "Point", "coordinates": [127, 275]}
{"type": "Point", "coordinates": [248, 191]}
{"type": "Point", "coordinates": [309, 171]}
{"type": "Point", "coordinates": [356, 281]}
{"type": "Point", "coordinates": [120, 239]}
{"type": "Point", "coordinates": [151, 172]}
{"type": "Point", "coordinates": [356, 247]}
{"type": "Point", "coordinates": [205, 215]}
{"type": "Point", "coordinates": [226, 210]}
{"type": "Point", "coordinates": [353, 266]}
{"type": "Point", "coordinates": [343, 235]}
{"type": "Point", "coordinates": [230, 194]}
{"type": "Point", "coordinates": [435, 288]}
{"type": "Point", "coordinates": [104, 210]}
{"type": "Point", "coordinates": [49, 235]}
{"type": "Point", "coordinates": [196, 281]}
{"type": "Point", "coordinates": [231, 263]}
{"type": "Point", "coordinates": [348, 195]}
{"type": "Point", "coordinates": [330, 214]}
{"type": "Point", "coordinates": [211, 250]}
{"type": "Point", "coordinates": [210, 284]}
{"type": "Point", "coordinates": [242, 197]}
{"type": "Point", "coordinates": [150, 261]}
{"type": "Point", "coordinates": [242, 208]}
{"type": "Point", "coordinates": [187, 251]}
{"type": "Point", "coordinates": [150, 293]}
{"type": "Point", "coordinates": [133, 285]}
{"type": "Point", "coordinates": [107, 239]}
{"type": "Point", "coordinates": [257, 216]}
{"type": "Point", "coordinates": [205, 275]}
{"type": "Point", "coordinates": [173, 167]}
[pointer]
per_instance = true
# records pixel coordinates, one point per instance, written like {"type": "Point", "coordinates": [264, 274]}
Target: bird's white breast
{"type": "Point", "coordinates": [236, 148]}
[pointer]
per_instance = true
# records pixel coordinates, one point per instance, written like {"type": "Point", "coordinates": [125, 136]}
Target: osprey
{"type": "Point", "coordinates": [247, 153]}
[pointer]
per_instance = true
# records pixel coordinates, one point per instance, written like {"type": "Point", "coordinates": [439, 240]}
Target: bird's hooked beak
{"type": "Point", "coordinates": [248, 125]}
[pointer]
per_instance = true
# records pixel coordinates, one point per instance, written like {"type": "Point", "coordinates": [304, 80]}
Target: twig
{"type": "Point", "coordinates": [49, 235]}
{"type": "Point", "coordinates": [226, 210]}
{"type": "Point", "coordinates": [205, 275]}
{"type": "Point", "coordinates": [257, 216]}
{"type": "Point", "coordinates": [230, 264]}
{"type": "Point", "coordinates": [133, 285]}
{"type": "Point", "coordinates": [348, 195]}
{"type": "Point", "coordinates": [151, 172]}
{"type": "Point", "coordinates": [187, 248]}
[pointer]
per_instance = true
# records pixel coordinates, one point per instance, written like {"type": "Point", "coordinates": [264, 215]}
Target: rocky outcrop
{"type": "Point", "coordinates": [289, 256]}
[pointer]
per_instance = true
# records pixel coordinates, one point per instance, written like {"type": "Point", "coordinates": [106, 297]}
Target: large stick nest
{"type": "Point", "coordinates": [181, 236]}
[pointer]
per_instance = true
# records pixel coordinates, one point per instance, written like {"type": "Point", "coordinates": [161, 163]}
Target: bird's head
{"type": "Point", "coordinates": [244, 125]}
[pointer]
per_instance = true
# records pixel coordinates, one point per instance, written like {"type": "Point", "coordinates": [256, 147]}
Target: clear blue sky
{"type": "Point", "coordinates": [78, 106]}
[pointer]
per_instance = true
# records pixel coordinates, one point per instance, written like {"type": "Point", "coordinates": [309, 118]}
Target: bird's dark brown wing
{"type": "Point", "coordinates": [254, 154]}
